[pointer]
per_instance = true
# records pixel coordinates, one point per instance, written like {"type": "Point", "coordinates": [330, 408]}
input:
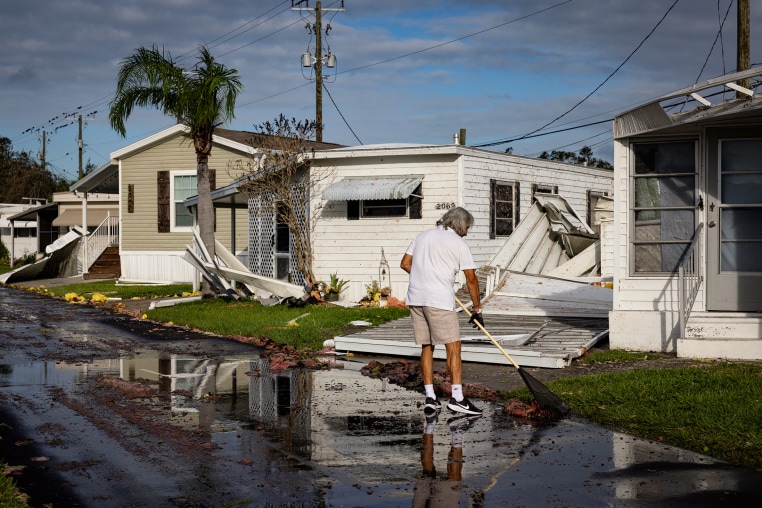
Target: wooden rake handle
{"type": "Point", "coordinates": [490, 337]}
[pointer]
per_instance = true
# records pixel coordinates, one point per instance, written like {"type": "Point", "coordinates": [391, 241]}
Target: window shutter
{"type": "Point", "coordinates": [416, 203]}
{"type": "Point", "coordinates": [516, 204]}
{"type": "Point", "coordinates": [492, 208]}
{"type": "Point", "coordinates": [353, 210]}
{"type": "Point", "coordinates": [162, 180]}
{"type": "Point", "coordinates": [213, 186]}
{"type": "Point", "coordinates": [131, 198]}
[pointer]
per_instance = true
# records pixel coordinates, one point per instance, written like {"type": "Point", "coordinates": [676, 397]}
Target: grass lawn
{"type": "Point", "coordinates": [714, 408]}
{"type": "Point", "coordinates": [10, 497]}
{"type": "Point", "coordinates": [301, 327]}
{"type": "Point", "coordinates": [113, 290]}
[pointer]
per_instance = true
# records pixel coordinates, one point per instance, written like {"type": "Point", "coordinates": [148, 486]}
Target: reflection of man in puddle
{"type": "Point", "coordinates": [431, 491]}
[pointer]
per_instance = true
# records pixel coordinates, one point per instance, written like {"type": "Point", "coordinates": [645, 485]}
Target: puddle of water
{"type": "Point", "coordinates": [361, 440]}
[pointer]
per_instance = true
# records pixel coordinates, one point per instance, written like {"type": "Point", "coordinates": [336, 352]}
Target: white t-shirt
{"type": "Point", "coordinates": [438, 255]}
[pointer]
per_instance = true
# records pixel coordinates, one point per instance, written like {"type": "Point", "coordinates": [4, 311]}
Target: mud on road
{"type": "Point", "coordinates": [85, 437]}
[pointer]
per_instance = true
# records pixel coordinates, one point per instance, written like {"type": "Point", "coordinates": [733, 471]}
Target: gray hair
{"type": "Point", "coordinates": [458, 219]}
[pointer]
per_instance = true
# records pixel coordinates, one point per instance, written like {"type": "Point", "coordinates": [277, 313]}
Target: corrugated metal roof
{"type": "Point", "coordinates": [371, 188]}
{"type": "Point", "coordinates": [651, 116]}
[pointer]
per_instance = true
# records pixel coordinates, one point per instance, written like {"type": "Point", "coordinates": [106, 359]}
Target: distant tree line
{"type": "Point", "coordinates": [584, 157]}
{"type": "Point", "coordinates": [24, 177]}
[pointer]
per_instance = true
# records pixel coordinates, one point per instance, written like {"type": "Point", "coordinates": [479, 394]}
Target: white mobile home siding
{"type": "Point", "coordinates": [352, 249]}
{"type": "Point", "coordinates": [645, 309]}
{"type": "Point", "coordinates": [451, 174]}
{"type": "Point", "coordinates": [480, 167]}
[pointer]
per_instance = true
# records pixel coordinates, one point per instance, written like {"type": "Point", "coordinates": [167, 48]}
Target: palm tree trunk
{"type": "Point", "coordinates": [205, 215]}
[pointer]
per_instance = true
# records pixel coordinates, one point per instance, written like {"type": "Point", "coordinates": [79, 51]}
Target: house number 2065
{"type": "Point", "coordinates": [445, 206]}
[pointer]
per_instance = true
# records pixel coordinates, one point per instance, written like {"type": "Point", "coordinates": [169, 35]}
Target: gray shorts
{"type": "Point", "coordinates": [434, 326]}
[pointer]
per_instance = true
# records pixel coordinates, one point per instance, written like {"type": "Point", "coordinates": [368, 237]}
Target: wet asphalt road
{"type": "Point", "coordinates": [221, 429]}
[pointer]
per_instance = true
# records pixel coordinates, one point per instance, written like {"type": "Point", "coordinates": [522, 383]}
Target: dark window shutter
{"type": "Point", "coordinates": [353, 210]}
{"type": "Point", "coordinates": [131, 198]}
{"type": "Point", "coordinates": [213, 186]}
{"type": "Point", "coordinates": [492, 208]}
{"type": "Point", "coordinates": [516, 204]}
{"type": "Point", "coordinates": [416, 203]}
{"type": "Point", "coordinates": [162, 180]}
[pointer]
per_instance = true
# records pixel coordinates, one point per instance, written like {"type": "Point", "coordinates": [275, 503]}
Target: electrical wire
{"type": "Point", "coordinates": [341, 114]}
{"type": "Point", "coordinates": [455, 40]}
{"type": "Point", "coordinates": [717, 37]}
{"type": "Point", "coordinates": [530, 134]}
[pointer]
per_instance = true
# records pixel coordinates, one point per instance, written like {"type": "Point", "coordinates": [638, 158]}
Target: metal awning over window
{"type": "Point", "coordinates": [350, 189]}
{"type": "Point", "coordinates": [94, 216]}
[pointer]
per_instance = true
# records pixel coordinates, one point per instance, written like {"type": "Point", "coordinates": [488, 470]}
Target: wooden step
{"type": "Point", "coordinates": [107, 266]}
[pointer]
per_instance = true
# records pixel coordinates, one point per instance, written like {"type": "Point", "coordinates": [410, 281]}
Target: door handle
{"type": "Point", "coordinates": [712, 224]}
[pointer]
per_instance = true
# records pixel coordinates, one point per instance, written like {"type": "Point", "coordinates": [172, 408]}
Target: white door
{"type": "Point", "coordinates": [734, 220]}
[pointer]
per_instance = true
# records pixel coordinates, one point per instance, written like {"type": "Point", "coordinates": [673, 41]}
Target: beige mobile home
{"type": "Point", "coordinates": [152, 178]}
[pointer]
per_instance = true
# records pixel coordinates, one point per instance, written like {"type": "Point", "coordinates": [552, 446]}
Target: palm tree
{"type": "Point", "coordinates": [203, 99]}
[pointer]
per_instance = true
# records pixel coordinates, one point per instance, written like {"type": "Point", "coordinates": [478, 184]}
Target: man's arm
{"type": "Point", "coordinates": [472, 282]}
{"type": "Point", "coordinates": [407, 263]}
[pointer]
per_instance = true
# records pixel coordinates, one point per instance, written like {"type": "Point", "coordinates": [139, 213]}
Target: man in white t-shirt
{"type": "Point", "coordinates": [433, 259]}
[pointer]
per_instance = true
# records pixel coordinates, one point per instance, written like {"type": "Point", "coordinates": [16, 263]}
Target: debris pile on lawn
{"type": "Point", "coordinates": [519, 409]}
{"type": "Point", "coordinates": [407, 374]}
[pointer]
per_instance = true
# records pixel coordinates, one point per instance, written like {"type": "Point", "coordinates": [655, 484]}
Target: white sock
{"type": "Point", "coordinates": [457, 392]}
{"type": "Point", "coordinates": [457, 439]}
{"type": "Point", "coordinates": [430, 427]}
{"type": "Point", "coordinates": [430, 391]}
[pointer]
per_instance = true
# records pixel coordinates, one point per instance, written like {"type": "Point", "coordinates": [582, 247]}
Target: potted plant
{"type": "Point", "coordinates": [372, 294]}
{"type": "Point", "coordinates": [334, 288]}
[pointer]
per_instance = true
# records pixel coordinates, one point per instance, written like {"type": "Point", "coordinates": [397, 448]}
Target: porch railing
{"type": "Point", "coordinates": [105, 235]}
{"type": "Point", "coordinates": [690, 277]}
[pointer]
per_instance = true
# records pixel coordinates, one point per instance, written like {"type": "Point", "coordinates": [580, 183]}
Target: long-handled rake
{"type": "Point", "coordinates": [542, 394]}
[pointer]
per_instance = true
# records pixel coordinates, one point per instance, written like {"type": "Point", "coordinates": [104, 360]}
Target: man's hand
{"type": "Point", "coordinates": [476, 317]}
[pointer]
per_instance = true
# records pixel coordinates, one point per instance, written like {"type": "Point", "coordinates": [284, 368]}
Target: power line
{"type": "Point", "coordinates": [456, 40]}
{"type": "Point", "coordinates": [341, 114]}
{"type": "Point", "coordinates": [528, 135]}
{"type": "Point", "coordinates": [718, 36]}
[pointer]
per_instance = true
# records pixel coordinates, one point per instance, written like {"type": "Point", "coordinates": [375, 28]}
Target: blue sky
{"type": "Point", "coordinates": [408, 72]}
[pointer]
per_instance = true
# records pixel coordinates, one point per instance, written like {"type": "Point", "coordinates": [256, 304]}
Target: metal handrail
{"type": "Point", "coordinates": [104, 236]}
{"type": "Point", "coordinates": [690, 276]}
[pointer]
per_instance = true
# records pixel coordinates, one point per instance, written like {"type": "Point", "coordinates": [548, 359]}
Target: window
{"type": "Point", "coordinates": [504, 208]}
{"type": "Point", "coordinates": [592, 203]}
{"type": "Point", "coordinates": [544, 189]}
{"type": "Point", "coordinates": [183, 186]}
{"type": "Point", "coordinates": [663, 211]}
{"type": "Point", "coordinates": [25, 233]}
{"type": "Point", "coordinates": [385, 208]}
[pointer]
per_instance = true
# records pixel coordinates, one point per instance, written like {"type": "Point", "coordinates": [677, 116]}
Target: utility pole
{"type": "Point", "coordinates": [318, 72]}
{"type": "Point", "coordinates": [743, 57]}
{"type": "Point", "coordinates": [317, 60]}
{"type": "Point", "coordinates": [42, 154]}
{"type": "Point", "coordinates": [79, 144]}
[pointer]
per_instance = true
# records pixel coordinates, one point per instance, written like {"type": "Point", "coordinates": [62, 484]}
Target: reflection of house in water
{"type": "Point", "coordinates": [342, 427]}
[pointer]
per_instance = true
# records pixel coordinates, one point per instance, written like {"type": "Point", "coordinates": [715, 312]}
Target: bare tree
{"type": "Point", "coordinates": [283, 183]}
